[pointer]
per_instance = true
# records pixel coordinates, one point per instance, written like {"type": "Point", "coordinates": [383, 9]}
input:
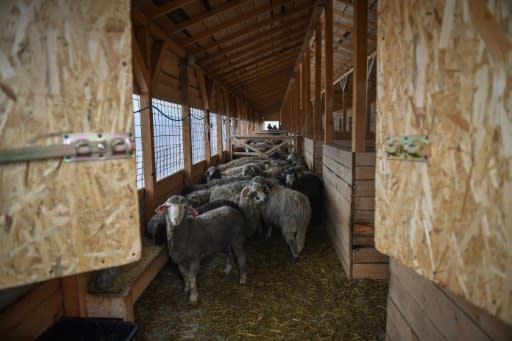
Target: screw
{"type": "Point", "coordinates": [100, 135]}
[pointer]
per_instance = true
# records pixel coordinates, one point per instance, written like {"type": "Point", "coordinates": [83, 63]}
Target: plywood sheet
{"type": "Point", "coordinates": [445, 70]}
{"type": "Point", "coordinates": [65, 67]}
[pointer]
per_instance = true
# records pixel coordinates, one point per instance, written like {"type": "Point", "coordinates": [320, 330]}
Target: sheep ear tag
{"type": "Point", "coordinates": [161, 209]}
{"type": "Point", "coordinates": [192, 212]}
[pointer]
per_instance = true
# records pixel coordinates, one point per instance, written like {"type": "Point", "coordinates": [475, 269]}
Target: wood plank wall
{"type": "Point", "coordinates": [418, 309]}
{"type": "Point", "coordinates": [349, 182]}
{"type": "Point", "coordinates": [313, 155]}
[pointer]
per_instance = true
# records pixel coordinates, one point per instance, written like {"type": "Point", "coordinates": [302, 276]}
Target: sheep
{"type": "Point", "coordinates": [216, 204]}
{"type": "Point", "coordinates": [156, 229]}
{"type": "Point", "coordinates": [238, 162]}
{"type": "Point", "coordinates": [214, 173]}
{"type": "Point", "coordinates": [285, 208]}
{"type": "Point", "coordinates": [215, 182]}
{"type": "Point", "coordinates": [198, 198]}
{"type": "Point", "coordinates": [309, 184]}
{"type": "Point", "coordinates": [192, 238]}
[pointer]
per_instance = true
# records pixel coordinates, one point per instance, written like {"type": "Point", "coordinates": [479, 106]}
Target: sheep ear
{"type": "Point", "coordinates": [162, 208]}
{"type": "Point", "coordinates": [245, 192]}
{"type": "Point", "coordinates": [193, 212]}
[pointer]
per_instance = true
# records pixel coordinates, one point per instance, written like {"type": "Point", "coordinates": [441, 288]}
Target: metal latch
{"type": "Point", "coordinates": [77, 147]}
{"type": "Point", "coordinates": [408, 147]}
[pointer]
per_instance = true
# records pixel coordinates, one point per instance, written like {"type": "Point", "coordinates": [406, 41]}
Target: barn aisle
{"type": "Point", "coordinates": [281, 301]}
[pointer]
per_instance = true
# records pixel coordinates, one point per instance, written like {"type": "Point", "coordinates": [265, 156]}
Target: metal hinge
{"type": "Point", "coordinates": [77, 147]}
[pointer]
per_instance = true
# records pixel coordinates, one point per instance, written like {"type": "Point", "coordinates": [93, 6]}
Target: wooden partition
{"type": "Point", "coordinates": [350, 203]}
{"type": "Point", "coordinates": [445, 71]}
{"type": "Point", "coordinates": [313, 154]}
{"type": "Point", "coordinates": [418, 309]}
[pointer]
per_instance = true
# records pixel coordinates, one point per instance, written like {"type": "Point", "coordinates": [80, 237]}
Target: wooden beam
{"type": "Point", "coordinates": [169, 7]}
{"type": "Point", "coordinates": [280, 53]}
{"type": "Point", "coordinates": [252, 53]}
{"type": "Point", "coordinates": [237, 20]}
{"type": "Point", "coordinates": [148, 152]}
{"type": "Point", "coordinates": [157, 51]}
{"type": "Point", "coordinates": [359, 91]}
{"type": "Point", "coordinates": [257, 28]}
{"type": "Point", "coordinates": [329, 103]}
{"type": "Point", "coordinates": [249, 71]}
{"type": "Point", "coordinates": [254, 41]}
{"type": "Point", "coordinates": [186, 127]}
{"type": "Point", "coordinates": [317, 122]}
{"type": "Point", "coordinates": [140, 70]}
{"type": "Point", "coordinates": [205, 16]}
{"type": "Point", "coordinates": [228, 117]}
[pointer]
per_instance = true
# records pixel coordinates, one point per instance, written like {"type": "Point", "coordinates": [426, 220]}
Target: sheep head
{"type": "Point", "coordinates": [176, 208]}
{"type": "Point", "coordinates": [289, 177]}
{"type": "Point", "coordinates": [212, 173]}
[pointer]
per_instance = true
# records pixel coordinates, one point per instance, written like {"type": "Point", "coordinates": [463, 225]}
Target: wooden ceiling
{"type": "Point", "coordinates": [252, 46]}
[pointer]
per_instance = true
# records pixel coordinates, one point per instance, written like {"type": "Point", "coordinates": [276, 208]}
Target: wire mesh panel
{"type": "Point", "coordinates": [167, 138]}
{"type": "Point", "coordinates": [224, 136]}
{"type": "Point", "coordinates": [213, 133]}
{"type": "Point", "coordinates": [139, 161]}
{"type": "Point", "coordinates": [197, 134]}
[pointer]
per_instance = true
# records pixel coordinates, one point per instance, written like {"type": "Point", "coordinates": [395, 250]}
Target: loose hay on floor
{"type": "Point", "coordinates": [312, 299]}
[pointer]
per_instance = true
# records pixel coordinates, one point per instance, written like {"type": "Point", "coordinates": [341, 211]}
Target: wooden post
{"type": "Point", "coordinates": [185, 126]}
{"type": "Point", "coordinates": [328, 119]}
{"type": "Point", "coordinates": [307, 94]}
{"type": "Point", "coordinates": [148, 152]}
{"type": "Point", "coordinates": [317, 121]}
{"type": "Point", "coordinates": [74, 292]}
{"type": "Point", "coordinates": [359, 91]}
{"type": "Point", "coordinates": [228, 116]}
{"type": "Point", "coordinates": [218, 122]}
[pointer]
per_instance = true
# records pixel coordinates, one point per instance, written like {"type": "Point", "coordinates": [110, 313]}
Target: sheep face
{"type": "Point", "coordinates": [256, 191]}
{"type": "Point", "coordinates": [176, 208]}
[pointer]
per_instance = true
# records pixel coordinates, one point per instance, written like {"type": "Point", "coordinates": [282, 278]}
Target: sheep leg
{"type": "Point", "coordinates": [184, 274]}
{"type": "Point", "coordinates": [269, 232]}
{"type": "Point", "coordinates": [238, 248]}
{"type": "Point", "coordinates": [229, 261]}
{"type": "Point", "coordinates": [293, 248]}
{"type": "Point", "coordinates": [192, 273]}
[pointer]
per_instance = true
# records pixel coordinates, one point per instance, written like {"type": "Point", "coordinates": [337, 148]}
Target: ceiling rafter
{"type": "Point", "coordinates": [239, 19]}
{"type": "Point", "coordinates": [168, 8]}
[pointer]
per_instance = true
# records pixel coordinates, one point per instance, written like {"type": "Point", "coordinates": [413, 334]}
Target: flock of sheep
{"type": "Point", "coordinates": [244, 198]}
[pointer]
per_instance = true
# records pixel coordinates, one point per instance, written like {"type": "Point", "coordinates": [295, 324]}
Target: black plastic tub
{"type": "Point", "coordinates": [85, 329]}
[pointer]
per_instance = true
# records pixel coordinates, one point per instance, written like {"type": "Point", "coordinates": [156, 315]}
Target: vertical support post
{"type": "Point", "coordinates": [329, 104]}
{"type": "Point", "coordinates": [307, 94]}
{"type": "Point", "coordinates": [317, 121]}
{"type": "Point", "coordinates": [359, 92]}
{"type": "Point", "coordinates": [218, 122]}
{"type": "Point", "coordinates": [74, 292]}
{"type": "Point", "coordinates": [185, 126]}
{"type": "Point", "coordinates": [228, 117]}
{"type": "Point", "coordinates": [148, 152]}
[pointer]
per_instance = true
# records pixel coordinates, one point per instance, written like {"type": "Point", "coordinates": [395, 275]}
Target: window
{"type": "Point", "coordinates": [224, 136]}
{"type": "Point", "coordinates": [269, 125]}
{"type": "Point", "coordinates": [197, 134]}
{"type": "Point", "coordinates": [167, 138]}
{"type": "Point", "coordinates": [139, 161]}
{"type": "Point", "coordinates": [213, 133]}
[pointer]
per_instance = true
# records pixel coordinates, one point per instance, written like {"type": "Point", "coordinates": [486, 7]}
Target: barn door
{"type": "Point", "coordinates": [65, 68]}
{"type": "Point", "coordinates": [444, 202]}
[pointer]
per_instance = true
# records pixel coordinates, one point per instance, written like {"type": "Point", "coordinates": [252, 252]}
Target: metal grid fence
{"type": "Point", "coordinates": [213, 133]}
{"type": "Point", "coordinates": [167, 130]}
{"type": "Point", "coordinates": [139, 161]}
{"type": "Point", "coordinates": [197, 134]}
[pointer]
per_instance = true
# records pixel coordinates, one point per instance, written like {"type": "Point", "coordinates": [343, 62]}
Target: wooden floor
{"type": "Point", "coordinates": [281, 300]}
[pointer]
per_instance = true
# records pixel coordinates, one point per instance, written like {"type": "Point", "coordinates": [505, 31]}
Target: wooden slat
{"type": "Point", "coordinates": [317, 121]}
{"type": "Point", "coordinates": [74, 292]}
{"type": "Point", "coordinates": [370, 271]}
{"type": "Point", "coordinates": [359, 93]}
{"type": "Point", "coordinates": [329, 102]}
{"type": "Point", "coordinates": [397, 328]}
{"type": "Point", "coordinates": [186, 128]}
{"type": "Point", "coordinates": [363, 255]}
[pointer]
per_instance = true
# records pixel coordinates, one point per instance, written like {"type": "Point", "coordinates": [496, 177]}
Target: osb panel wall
{"type": "Point", "coordinates": [445, 71]}
{"type": "Point", "coordinates": [65, 66]}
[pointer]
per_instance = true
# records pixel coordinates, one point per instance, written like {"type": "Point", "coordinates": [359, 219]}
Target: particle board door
{"type": "Point", "coordinates": [445, 70]}
{"type": "Point", "coordinates": [65, 67]}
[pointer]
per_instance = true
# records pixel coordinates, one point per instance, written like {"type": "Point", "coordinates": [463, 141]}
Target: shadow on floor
{"type": "Point", "coordinates": [310, 300]}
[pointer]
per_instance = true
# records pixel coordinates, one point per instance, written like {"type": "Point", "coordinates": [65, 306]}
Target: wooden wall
{"type": "Point", "coordinates": [418, 309]}
{"type": "Point", "coordinates": [313, 154]}
{"type": "Point", "coordinates": [350, 200]}
{"type": "Point", "coordinates": [32, 314]}
{"type": "Point", "coordinates": [445, 70]}
{"type": "Point", "coordinates": [65, 68]}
